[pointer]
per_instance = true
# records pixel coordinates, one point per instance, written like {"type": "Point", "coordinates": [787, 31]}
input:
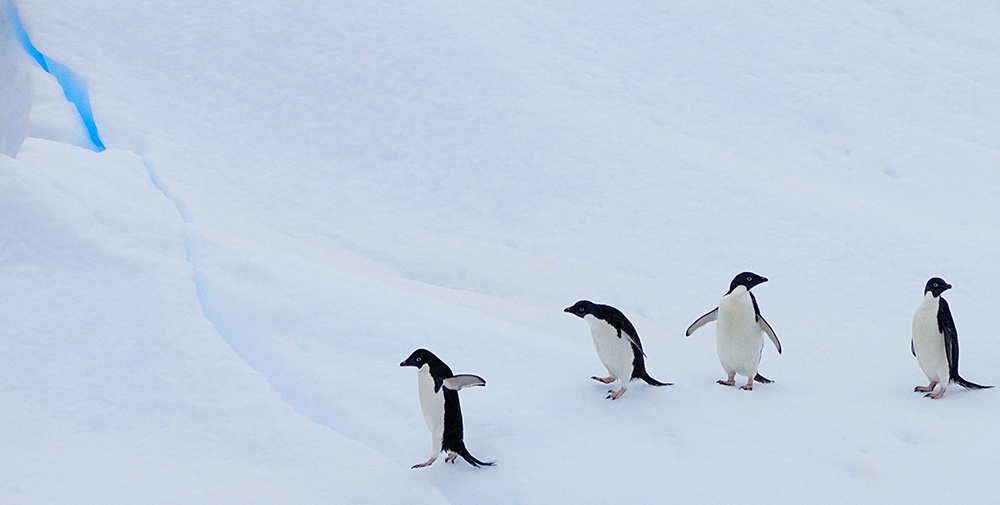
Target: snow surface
{"type": "Point", "coordinates": [296, 195]}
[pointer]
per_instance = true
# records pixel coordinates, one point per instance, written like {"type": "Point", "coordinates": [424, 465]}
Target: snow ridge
{"type": "Point", "coordinates": [76, 91]}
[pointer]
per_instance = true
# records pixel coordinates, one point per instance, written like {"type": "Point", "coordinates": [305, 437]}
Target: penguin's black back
{"type": "Point", "coordinates": [453, 431]}
{"type": "Point", "coordinates": [617, 319]}
{"type": "Point", "coordinates": [619, 322]}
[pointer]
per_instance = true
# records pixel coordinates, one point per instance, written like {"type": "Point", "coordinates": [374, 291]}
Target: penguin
{"type": "Point", "coordinates": [438, 390]}
{"type": "Point", "coordinates": [935, 341]}
{"type": "Point", "coordinates": [738, 331]}
{"type": "Point", "coordinates": [617, 345]}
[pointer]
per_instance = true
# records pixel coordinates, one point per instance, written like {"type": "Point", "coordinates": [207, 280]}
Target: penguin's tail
{"type": "Point", "coordinates": [653, 382]}
{"type": "Point", "coordinates": [763, 380]}
{"type": "Point", "coordinates": [968, 385]}
{"type": "Point", "coordinates": [464, 453]}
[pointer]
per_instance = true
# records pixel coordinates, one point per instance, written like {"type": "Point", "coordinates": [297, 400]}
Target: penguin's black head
{"type": "Point", "coordinates": [421, 357]}
{"type": "Point", "coordinates": [937, 286]}
{"type": "Point", "coordinates": [581, 308]}
{"type": "Point", "coordinates": [748, 279]}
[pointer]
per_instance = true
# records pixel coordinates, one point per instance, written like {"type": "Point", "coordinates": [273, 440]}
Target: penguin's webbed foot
{"type": "Point", "coordinates": [451, 458]}
{"type": "Point", "coordinates": [923, 389]}
{"type": "Point", "coordinates": [616, 394]}
{"type": "Point", "coordinates": [747, 387]}
{"type": "Point", "coordinates": [605, 380]}
{"type": "Point", "coordinates": [936, 396]}
{"type": "Point", "coordinates": [729, 382]}
{"type": "Point", "coordinates": [425, 463]}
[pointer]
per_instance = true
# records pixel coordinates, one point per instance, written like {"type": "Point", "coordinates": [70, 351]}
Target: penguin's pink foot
{"type": "Point", "coordinates": [729, 382]}
{"type": "Point", "coordinates": [451, 457]}
{"type": "Point", "coordinates": [425, 463]}
{"type": "Point", "coordinates": [616, 394]}
{"type": "Point", "coordinates": [935, 396]}
{"type": "Point", "coordinates": [606, 380]}
{"type": "Point", "coordinates": [924, 389]}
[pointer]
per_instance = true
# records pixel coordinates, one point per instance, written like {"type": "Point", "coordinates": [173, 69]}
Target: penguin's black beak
{"type": "Point", "coordinates": [947, 286]}
{"type": "Point", "coordinates": [763, 279]}
{"type": "Point", "coordinates": [568, 309]}
{"type": "Point", "coordinates": [406, 363]}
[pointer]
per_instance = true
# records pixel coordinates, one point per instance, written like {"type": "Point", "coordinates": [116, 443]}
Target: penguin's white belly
{"type": "Point", "coordinates": [432, 404]}
{"type": "Point", "coordinates": [615, 353]}
{"type": "Point", "coordinates": [738, 337]}
{"type": "Point", "coordinates": [928, 342]}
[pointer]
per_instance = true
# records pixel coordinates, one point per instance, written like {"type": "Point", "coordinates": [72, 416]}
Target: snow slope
{"type": "Point", "coordinates": [297, 195]}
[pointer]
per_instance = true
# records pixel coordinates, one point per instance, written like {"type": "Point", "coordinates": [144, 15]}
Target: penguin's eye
{"type": "Point", "coordinates": [419, 360]}
{"type": "Point", "coordinates": [749, 279]}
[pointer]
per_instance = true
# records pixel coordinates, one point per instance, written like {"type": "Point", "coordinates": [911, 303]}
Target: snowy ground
{"type": "Point", "coordinates": [295, 196]}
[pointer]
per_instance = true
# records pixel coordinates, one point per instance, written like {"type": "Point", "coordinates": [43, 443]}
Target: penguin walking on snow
{"type": "Point", "coordinates": [438, 389]}
{"type": "Point", "coordinates": [935, 341]}
{"type": "Point", "coordinates": [738, 331]}
{"type": "Point", "coordinates": [617, 345]}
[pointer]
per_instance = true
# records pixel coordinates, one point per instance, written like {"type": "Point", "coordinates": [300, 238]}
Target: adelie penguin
{"type": "Point", "coordinates": [935, 341]}
{"type": "Point", "coordinates": [438, 389]}
{"type": "Point", "coordinates": [617, 345]}
{"type": "Point", "coordinates": [738, 331]}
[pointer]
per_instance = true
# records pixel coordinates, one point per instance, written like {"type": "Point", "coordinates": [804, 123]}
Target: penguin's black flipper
{"type": "Point", "coordinates": [766, 328]}
{"type": "Point", "coordinates": [460, 381]}
{"type": "Point", "coordinates": [946, 325]}
{"type": "Point", "coordinates": [615, 318]}
{"type": "Point", "coordinates": [763, 380]}
{"type": "Point", "coordinates": [702, 321]}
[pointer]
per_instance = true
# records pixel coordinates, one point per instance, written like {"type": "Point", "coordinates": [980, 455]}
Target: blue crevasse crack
{"type": "Point", "coordinates": [74, 86]}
